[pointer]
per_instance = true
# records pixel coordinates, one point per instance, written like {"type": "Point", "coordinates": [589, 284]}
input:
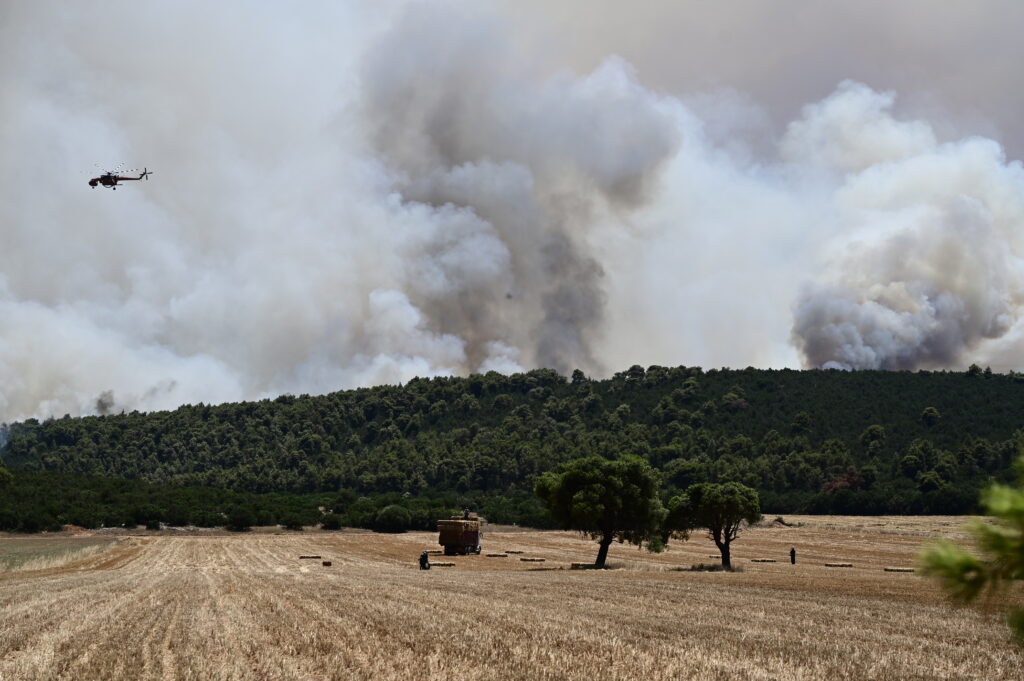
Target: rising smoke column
{"type": "Point", "coordinates": [344, 197]}
{"type": "Point", "coordinates": [532, 163]}
{"type": "Point", "coordinates": [928, 266]}
{"type": "Point", "coordinates": [356, 194]}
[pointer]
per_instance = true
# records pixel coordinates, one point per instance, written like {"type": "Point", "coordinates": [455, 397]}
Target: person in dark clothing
{"type": "Point", "coordinates": [792, 556]}
{"type": "Point", "coordinates": [465, 514]}
{"type": "Point", "coordinates": [424, 561]}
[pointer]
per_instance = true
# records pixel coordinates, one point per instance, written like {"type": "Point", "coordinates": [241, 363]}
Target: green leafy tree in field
{"type": "Point", "coordinates": [721, 509]}
{"type": "Point", "coordinates": [605, 500]}
{"type": "Point", "coordinates": [393, 518]}
{"type": "Point", "coordinates": [5, 478]}
{"type": "Point", "coordinates": [240, 519]}
{"type": "Point", "coordinates": [331, 521]}
{"type": "Point", "coordinates": [293, 521]}
{"type": "Point", "coordinates": [964, 576]}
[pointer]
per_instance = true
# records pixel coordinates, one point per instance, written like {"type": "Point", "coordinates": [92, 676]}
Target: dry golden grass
{"type": "Point", "coordinates": [246, 607]}
{"type": "Point", "coordinates": [41, 552]}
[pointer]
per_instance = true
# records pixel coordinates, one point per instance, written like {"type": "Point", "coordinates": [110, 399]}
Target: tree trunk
{"type": "Point", "coordinates": [726, 560]}
{"type": "Point", "coordinates": [602, 553]}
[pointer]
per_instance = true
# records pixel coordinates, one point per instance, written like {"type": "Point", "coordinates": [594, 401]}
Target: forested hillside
{"type": "Point", "coordinates": [808, 441]}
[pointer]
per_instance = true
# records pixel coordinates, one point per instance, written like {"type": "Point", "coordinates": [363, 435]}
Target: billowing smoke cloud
{"type": "Point", "coordinates": [931, 266]}
{"type": "Point", "coordinates": [352, 195]}
{"type": "Point", "coordinates": [517, 169]}
{"type": "Point", "coordinates": [429, 217]}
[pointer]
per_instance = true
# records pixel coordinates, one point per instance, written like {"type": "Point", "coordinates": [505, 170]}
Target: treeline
{"type": "Point", "coordinates": [808, 441]}
{"type": "Point", "coordinates": [35, 502]}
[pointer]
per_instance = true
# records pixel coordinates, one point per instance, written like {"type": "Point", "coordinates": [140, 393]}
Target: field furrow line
{"type": "Point", "coordinates": [246, 607]}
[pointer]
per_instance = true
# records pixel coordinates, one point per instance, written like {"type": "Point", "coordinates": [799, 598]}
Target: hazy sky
{"type": "Point", "coordinates": [954, 62]}
{"type": "Point", "coordinates": [346, 194]}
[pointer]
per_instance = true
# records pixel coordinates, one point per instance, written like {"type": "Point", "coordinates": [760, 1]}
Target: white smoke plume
{"type": "Point", "coordinates": [428, 219]}
{"type": "Point", "coordinates": [347, 195]}
{"type": "Point", "coordinates": [932, 265]}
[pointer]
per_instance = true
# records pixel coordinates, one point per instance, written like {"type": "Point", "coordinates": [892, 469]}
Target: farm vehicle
{"type": "Point", "coordinates": [461, 534]}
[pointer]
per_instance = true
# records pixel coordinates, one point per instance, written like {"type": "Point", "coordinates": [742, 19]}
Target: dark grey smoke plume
{"type": "Point", "coordinates": [465, 128]}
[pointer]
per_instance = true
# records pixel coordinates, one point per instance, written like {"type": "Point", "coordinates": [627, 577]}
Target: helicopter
{"type": "Point", "coordinates": [110, 179]}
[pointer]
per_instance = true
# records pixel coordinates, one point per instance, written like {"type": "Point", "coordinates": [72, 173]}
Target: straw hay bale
{"type": "Point", "coordinates": [838, 564]}
{"type": "Point", "coordinates": [496, 555]}
{"type": "Point", "coordinates": [309, 557]}
{"type": "Point", "coordinates": [762, 560]}
{"type": "Point", "coordinates": [532, 560]}
{"type": "Point", "coordinates": [899, 569]}
{"type": "Point", "coordinates": [516, 552]}
{"type": "Point", "coordinates": [433, 565]}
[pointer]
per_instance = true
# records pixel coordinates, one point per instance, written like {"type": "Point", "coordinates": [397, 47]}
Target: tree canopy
{"type": "Point", "coordinates": [964, 576]}
{"type": "Point", "coordinates": [605, 500]}
{"type": "Point", "coordinates": [393, 518]}
{"type": "Point", "coordinates": [721, 509]}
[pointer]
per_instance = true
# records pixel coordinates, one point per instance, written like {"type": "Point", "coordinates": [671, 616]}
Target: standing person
{"type": "Point", "coordinates": [424, 561]}
{"type": "Point", "coordinates": [792, 555]}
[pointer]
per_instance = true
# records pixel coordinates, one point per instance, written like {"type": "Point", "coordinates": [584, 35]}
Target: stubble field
{"type": "Point", "coordinates": [246, 607]}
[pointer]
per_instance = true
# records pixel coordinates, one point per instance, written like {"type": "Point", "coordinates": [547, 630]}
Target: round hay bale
{"type": "Point", "coordinates": [899, 569]}
{"type": "Point", "coordinates": [839, 565]}
{"type": "Point", "coordinates": [327, 563]}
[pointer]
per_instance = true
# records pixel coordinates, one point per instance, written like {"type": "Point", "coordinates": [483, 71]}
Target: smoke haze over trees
{"type": "Point", "coordinates": [350, 195]}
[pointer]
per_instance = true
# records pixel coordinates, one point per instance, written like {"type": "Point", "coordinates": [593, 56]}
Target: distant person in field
{"type": "Point", "coordinates": [792, 555]}
{"type": "Point", "coordinates": [424, 561]}
{"type": "Point", "coordinates": [465, 514]}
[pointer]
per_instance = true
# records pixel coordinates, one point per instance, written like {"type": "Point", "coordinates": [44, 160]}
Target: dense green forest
{"type": "Point", "coordinates": [47, 501]}
{"type": "Point", "coordinates": [819, 441]}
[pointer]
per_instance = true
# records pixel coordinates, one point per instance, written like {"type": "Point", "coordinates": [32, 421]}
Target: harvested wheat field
{"type": "Point", "coordinates": [247, 607]}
